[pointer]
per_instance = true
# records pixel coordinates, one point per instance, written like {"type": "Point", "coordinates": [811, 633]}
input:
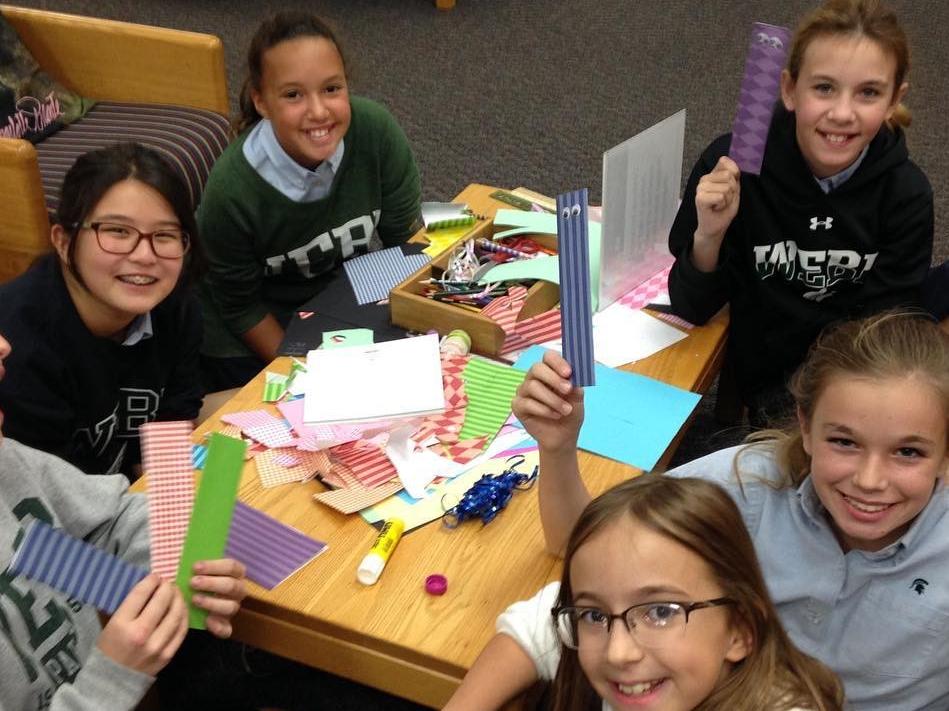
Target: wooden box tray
{"type": "Point", "coordinates": [412, 311]}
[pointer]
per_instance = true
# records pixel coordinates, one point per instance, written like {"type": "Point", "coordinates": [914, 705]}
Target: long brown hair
{"type": "Point", "coordinates": [702, 517]}
{"type": "Point", "coordinates": [859, 18]}
{"type": "Point", "coordinates": [276, 29]}
{"type": "Point", "coordinates": [892, 344]}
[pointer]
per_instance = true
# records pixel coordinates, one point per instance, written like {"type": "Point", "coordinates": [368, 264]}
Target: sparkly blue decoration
{"type": "Point", "coordinates": [490, 494]}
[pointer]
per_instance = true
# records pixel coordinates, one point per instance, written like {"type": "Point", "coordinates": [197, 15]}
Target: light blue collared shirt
{"type": "Point", "coordinates": [139, 330]}
{"type": "Point", "coordinates": [835, 181]}
{"type": "Point", "coordinates": [878, 619]}
{"type": "Point", "coordinates": [265, 155]}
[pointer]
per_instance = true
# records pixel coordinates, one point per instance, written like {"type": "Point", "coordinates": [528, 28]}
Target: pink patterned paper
{"type": "Point", "coordinates": [369, 464]}
{"type": "Point", "coordinates": [349, 501]}
{"type": "Point", "coordinates": [654, 287]}
{"type": "Point", "coordinates": [536, 329]}
{"type": "Point", "coordinates": [272, 473]}
{"type": "Point", "coordinates": [504, 309]}
{"type": "Point", "coordinates": [466, 450]}
{"type": "Point", "coordinates": [250, 418]}
{"type": "Point", "coordinates": [166, 458]}
{"type": "Point", "coordinates": [273, 434]}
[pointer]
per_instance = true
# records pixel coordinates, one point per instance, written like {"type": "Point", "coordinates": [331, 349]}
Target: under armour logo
{"type": "Point", "coordinates": [827, 223]}
{"type": "Point", "coordinates": [771, 41]}
{"type": "Point", "coordinates": [919, 585]}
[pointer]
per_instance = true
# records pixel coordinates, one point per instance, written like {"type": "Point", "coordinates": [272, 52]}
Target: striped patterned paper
{"type": "Point", "coordinates": [167, 460]}
{"type": "Point", "coordinates": [576, 308]}
{"type": "Point", "coordinates": [373, 275]}
{"type": "Point", "coordinates": [75, 567]}
{"type": "Point", "coordinates": [271, 551]}
{"type": "Point", "coordinates": [490, 388]}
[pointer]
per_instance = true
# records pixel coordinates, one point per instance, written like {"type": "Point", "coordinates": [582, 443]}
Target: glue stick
{"type": "Point", "coordinates": [371, 567]}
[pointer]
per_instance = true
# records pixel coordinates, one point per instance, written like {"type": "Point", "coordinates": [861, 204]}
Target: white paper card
{"type": "Point", "coordinates": [392, 379]}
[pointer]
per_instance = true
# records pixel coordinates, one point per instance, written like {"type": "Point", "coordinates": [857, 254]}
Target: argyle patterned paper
{"type": "Point", "coordinates": [767, 54]}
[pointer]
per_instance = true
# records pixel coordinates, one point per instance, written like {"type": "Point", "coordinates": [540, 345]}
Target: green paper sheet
{"type": "Point", "coordinates": [348, 337]}
{"type": "Point", "coordinates": [275, 386]}
{"type": "Point", "coordinates": [490, 388]}
{"type": "Point", "coordinates": [211, 515]}
{"type": "Point", "coordinates": [547, 266]}
{"type": "Point", "coordinates": [544, 223]}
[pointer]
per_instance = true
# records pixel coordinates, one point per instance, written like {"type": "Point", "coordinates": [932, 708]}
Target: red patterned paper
{"type": "Point", "coordinates": [166, 459]}
{"type": "Point", "coordinates": [368, 463]}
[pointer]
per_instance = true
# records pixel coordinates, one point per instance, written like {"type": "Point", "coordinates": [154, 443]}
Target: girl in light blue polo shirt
{"type": "Point", "coordinates": [847, 508]}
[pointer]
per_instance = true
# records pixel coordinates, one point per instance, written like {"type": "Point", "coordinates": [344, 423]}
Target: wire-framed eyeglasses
{"type": "Point", "coordinates": [116, 238]}
{"type": "Point", "coordinates": [653, 624]}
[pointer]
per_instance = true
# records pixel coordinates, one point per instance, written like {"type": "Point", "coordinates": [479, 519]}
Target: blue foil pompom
{"type": "Point", "coordinates": [488, 496]}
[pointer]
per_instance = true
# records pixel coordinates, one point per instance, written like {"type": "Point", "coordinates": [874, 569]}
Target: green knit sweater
{"type": "Point", "coordinates": [268, 254]}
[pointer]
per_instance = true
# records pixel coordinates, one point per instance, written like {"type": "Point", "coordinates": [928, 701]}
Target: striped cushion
{"type": "Point", "coordinates": [190, 139]}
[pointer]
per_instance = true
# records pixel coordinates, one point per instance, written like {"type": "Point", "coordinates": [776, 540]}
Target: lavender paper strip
{"type": "Point", "coordinates": [75, 567]}
{"type": "Point", "coordinates": [271, 551]}
{"type": "Point", "coordinates": [576, 309]}
{"type": "Point", "coordinates": [760, 88]}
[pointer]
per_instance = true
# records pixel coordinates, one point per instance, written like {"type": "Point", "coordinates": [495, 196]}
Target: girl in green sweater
{"type": "Point", "coordinates": [313, 175]}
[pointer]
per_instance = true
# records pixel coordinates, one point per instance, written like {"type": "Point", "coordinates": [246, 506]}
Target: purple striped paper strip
{"type": "Point", "coordinates": [74, 567]}
{"type": "Point", "coordinates": [271, 551]}
{"type": "Point", "coordinates": [576, 309]}
{"type": "Point", "coordinates": [767, 53]}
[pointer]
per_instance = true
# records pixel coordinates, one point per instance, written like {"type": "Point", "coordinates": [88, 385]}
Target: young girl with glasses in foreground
{"type": "Point", "coordinates": [662, 606]}
{"type": "Point", "coordinates": [313, 176]}
{"type": "Point", "coordinates": [847, 507]}
{"type": "Point", "coordinates": [839, 224]}
{"type": "Point", "coordinates": [107, 334]}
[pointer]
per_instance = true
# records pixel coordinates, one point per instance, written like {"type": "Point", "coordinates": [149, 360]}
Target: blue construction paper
{"type": "Point", "coordinates": [629, 417]}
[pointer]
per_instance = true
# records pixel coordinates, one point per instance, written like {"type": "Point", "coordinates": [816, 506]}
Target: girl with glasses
{"type": "Point", "coordinates": [846, 507]}
{"type": "Point", "coordinates": [662, 606]}
{"type": "Point", "coordinates": [107, 335]}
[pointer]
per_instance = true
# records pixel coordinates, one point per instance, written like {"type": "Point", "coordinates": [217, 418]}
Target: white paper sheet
{"type": "Point", "coordinates": [387, 380]}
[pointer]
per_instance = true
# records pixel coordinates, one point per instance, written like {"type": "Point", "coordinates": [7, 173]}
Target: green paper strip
{"type": "Point", "coordinates": [275, 386]}
{"type": "Point", "coordinates": [490, 388]}
{"type": "Point", "coordinates": [211, 515]}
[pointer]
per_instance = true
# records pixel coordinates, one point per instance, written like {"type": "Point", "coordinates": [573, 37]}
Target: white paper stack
{"type": "Point", "coordinates": [387, 380]}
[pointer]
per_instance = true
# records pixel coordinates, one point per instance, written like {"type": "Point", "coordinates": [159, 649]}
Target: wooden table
{"type": "Point", "coordinates": [394, 636]}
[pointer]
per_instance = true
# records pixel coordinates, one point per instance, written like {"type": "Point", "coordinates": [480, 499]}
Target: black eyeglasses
{"type": "Point", "coordinates": [116, 238]}
{"type": "Point", "coordinates": [653, 624]}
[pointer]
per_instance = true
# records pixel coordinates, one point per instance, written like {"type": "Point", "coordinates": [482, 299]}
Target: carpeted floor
{"type": "Point", "coordinates": [531, 92]}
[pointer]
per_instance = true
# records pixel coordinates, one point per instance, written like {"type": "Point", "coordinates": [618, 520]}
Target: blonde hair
{"type": "Point", "coordinates": [866, 18]}
{"type": "Point", "coordinates": [702, 517]}
{"type": "Point", "coordinates": [892, 344]}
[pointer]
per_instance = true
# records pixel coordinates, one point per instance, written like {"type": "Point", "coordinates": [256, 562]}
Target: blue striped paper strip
{"type": "Point", "coordinates": [199, 453]}
{"type": "Point", "coordinates": [271, 551]}
{"type": "Point", "coordinates": [373, 275]}
{"type": "Point", "coordinates": [75, 567]}
{"type": "Point", "coordinates": [576, 309]}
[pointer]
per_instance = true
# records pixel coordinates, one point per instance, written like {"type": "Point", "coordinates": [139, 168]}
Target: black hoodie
{"type": "Point", "coordinates": [82, 397]}
{"type": "Point", "coordinates": [795, 259]}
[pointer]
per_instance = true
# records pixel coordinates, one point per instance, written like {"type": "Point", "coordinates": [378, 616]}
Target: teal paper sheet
{"type": "Point", "coordinates": [629, 417]}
